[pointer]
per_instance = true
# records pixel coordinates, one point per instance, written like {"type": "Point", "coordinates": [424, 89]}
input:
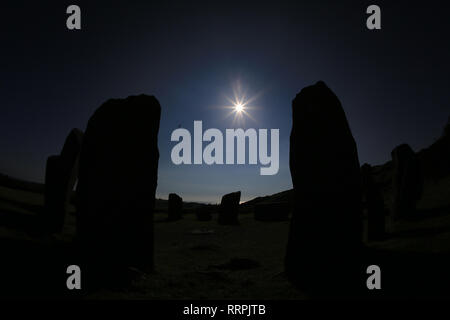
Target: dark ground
{"type": "Point", "coordinates": [204, 260]}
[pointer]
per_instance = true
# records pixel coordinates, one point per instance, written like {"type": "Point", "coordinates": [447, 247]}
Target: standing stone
{"type": "Point", "coordinates": [60, 178]}
{"type": "Point", "coordinates": [116, 188]}
{"type": "Point", "coordinates": [229, 209]}
{"type": "Point", "coordinates": [175, 207]}
{"type": "Point", "coordinates": [407, 181]}
{"type": "Point", "coordinates": [325, 234]}
{"type": "Point", "coordinates": [374, 204]}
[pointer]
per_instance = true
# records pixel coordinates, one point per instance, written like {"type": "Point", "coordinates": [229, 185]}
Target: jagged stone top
{"type": "Point", "coordinates": [317, 110]}
{"type": "Point", "coordinates": [129, 114]}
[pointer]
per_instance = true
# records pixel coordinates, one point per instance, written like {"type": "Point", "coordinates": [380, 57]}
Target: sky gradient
{"type": "Point", "coordinates": [393, 83]}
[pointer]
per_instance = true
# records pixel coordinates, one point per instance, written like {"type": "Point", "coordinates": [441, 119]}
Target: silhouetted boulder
{"type": "Point", "coordinates": [325, 236]}
{"type": "Point", "coordinates": [229, 209]}
{"type": "Point", "coordinates": [175, 207]}
{"type": "Point", "coordinates": [407, 181]}
{"type": "Point", "coordinates": [60, 178]}
{"type": "Point", "coordinates": [272, 211]}
{"type": "Point", "coordinates": [374, 204]}
{"type": "Point", "coordinates": [116, 187]}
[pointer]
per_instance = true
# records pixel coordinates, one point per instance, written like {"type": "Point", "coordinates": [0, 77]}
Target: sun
{"type": "Point", "coordinates": [240, 104]}
{"type": "Point", "coordinates": [239, 107]}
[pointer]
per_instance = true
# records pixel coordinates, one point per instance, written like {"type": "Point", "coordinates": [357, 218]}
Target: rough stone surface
{"type": "Point", "coordinates": [229, 209]}
{"type": "Point", "coordinates": [117, 184]}
{"type": "Point", "coordinates": [326, 226]}
{"type": "Point", "coordinates": [60, 178]}
{"type": "Point", "coordinates": [175, 207]}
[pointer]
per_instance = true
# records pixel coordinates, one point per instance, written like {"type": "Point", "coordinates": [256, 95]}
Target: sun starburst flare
{"type": "Point", "coordinates": [240, 105]}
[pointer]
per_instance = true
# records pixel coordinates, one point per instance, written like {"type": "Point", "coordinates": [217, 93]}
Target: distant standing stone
{"type": "Point", "coordinates": [229, 209]}
{"type": "Point", "coordinates": [407, 181]}
{"type": "Point", "coordinates": [60, 177]}
{"type": "Point", "coordinates": [175, 207]}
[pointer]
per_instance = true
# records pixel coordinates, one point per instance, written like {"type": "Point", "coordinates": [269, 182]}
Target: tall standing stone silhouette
{"type": "Point", "coordinates": [175, 207]}
{"type": "Point", "coordinates": [229, 209]}
{"type": "Point", "coordinates": [407, 181]}
{"type": "Point", "coordinates": [326, 228]}
{"type": "Point", "coordinates": [60, 177]}
{"type": "Point", "coordinates": [374, 204]}
{"type": "Point", "coordinates": [117, 184]}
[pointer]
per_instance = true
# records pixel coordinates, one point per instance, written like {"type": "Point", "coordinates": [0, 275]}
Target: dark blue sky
{"type": "Point", "coordinates": [393, 83]}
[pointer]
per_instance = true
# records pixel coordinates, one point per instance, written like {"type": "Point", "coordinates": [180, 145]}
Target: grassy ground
{"type": "Point", "coordinates": [193, 259]}
{"type": "Point", "coordinates": [204, 260]}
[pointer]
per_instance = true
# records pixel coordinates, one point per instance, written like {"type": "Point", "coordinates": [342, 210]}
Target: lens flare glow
{"type": "Point", "coordinates": [240, 105]}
